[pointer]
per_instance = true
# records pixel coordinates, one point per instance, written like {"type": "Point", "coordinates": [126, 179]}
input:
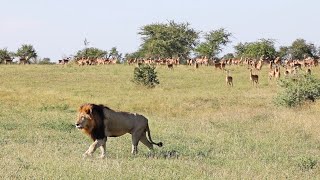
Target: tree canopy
{"type": "Point", "coordinates": [91, 53]}
{"type": "Point", "coordinates": [167, 40]}
{"type": "Point", "coordinates": [28, 52]}
{"type": "Point", "coordinates": [262, 47]}
{"type": "Point", "coordinates": [171, 40]}
{"type": "Point", "coordinates": [214, 40]}
{"type": "Point", "coordinates": [4, 54]}
{"type": "Point", "coordinates": [300, 49]}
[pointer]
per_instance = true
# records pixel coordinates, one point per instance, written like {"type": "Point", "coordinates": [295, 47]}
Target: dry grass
{"type": "Point", "coordinates": [208, 129]}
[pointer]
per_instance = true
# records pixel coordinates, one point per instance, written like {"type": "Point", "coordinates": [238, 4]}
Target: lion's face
{"type": "Point", "coordinates": [83, 121]}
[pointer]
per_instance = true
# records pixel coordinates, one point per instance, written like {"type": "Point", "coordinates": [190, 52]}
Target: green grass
{"type": "Point", "coordinates": [209, 130]}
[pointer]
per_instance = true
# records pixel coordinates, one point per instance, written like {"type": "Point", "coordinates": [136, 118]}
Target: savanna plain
{"type": "Point", "coordinates": [209, 130]}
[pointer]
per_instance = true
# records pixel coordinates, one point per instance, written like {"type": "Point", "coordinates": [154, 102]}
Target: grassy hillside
{"type": "Point", "coordinates": [209, 130]}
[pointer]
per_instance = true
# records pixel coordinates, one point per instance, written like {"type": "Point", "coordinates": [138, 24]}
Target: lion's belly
{"type": "Point", "coordinates": [115, 133]}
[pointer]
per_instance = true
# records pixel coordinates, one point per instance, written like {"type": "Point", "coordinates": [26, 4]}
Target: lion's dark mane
{"type": "Point", "coordinates": [98, 117]}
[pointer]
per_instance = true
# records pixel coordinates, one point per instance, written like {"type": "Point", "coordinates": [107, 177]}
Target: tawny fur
{"type": "Point", "coordinates": [277, 73]}
{"type": "Point", "coordinates": [229, 79]}
{"type": "Point", "coordinates": [254, 78]}
{"type": "Point", "coordinates": [101, 122]}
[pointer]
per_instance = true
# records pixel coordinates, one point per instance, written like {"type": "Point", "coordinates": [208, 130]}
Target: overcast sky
{"type": "Point", "coordinates": [57, 28]}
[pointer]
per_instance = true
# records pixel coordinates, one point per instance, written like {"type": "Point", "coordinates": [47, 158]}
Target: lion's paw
{"type": "Point", "coordinates": [86, 155]}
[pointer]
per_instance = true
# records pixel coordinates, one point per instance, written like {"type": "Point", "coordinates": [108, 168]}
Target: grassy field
{"type": "Point", "coordinates": [209, 130]}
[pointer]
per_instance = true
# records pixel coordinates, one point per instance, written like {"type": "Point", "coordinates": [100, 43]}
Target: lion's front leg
{"type": "Point", "coordinates": [103, 151]}
{"type": "Point", "coordinates": [97, 143]}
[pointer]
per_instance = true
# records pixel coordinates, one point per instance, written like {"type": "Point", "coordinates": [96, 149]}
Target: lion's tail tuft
{"type": "Point", "coordinates": [160, 144]}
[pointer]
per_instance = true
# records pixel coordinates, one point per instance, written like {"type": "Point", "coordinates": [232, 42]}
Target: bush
{"type": "Point", "coordinates": [146, 75]}
{"type": "Point", "coordinates": [297, 90]}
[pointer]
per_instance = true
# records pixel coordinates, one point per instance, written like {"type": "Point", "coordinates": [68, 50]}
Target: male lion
{"type": "Point", "coordinates": [100, 122]}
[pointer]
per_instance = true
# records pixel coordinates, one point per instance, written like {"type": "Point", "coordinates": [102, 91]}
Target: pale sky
{"type": "Point", "coordinates": [57, 28]}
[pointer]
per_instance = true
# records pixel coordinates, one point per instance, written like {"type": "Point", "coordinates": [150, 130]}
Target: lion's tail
{"type": "Point", "coordinates": [160, 144]}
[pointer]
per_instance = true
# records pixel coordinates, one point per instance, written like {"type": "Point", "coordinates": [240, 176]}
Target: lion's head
{"type": "Point", "coordinates": [85, 120]}
{"type": "Point", "coordinates": [90, 120]}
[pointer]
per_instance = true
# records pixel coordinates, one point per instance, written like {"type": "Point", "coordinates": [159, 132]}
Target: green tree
{"type": "Point", "coordinates": [283, 52]}
{"type": "Point", "coordinates": [91, 53]}
{"type": "Point", "coordinates": [262, 47]}
{"type": "Point", "coordinates": [214, 41]}
{"type": "Point", "coordinates": [228, 56]}
{"type": "Point", "coordinates": [300, 49]}
{"type": "Point", "coordinates": [240, 49]}
{"type": "Point", "coordinates": [167, 40]}
{"type": "Point", "coordinates": [4, 54]}
{"type": "Point", "coordinates": [45, 61]}
{"type": "Point", "coordinates": [28, 52]}
{"type": "Point", "coordinates": [114, 53]}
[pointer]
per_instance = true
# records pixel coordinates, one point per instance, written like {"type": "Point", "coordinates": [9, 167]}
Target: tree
{"type": "Point", "coordinates": [167, 40]}
{"type": "Point", "coordinates": [45, 61]}
{"type": "Point", "coordinates": [114, 53]}
{"type": "Point", "coordinates": [228, 56]}
{"type": "Point", "coordinates": [240, 49]}
{"type": "Point", "coordinates": [300, 49]}
{"type": "Point", "coordinates": [262, 47]}
{"type": "Point", "coordinates": [283, 52]}
{"type": "Point", "coordinates": [28, 52]}
{"type": "Point", "coordinates": [214, 40]}
{"type": "Point", "coordinates": [91, 53]}
{"type": "Point", "coordinates": [4, 54]}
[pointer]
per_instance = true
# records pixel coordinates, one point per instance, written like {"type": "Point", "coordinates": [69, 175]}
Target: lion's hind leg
{"type": "Point", "coordinates": [136, 136]}
{"type": "Point", "coordinates": [145, 141]}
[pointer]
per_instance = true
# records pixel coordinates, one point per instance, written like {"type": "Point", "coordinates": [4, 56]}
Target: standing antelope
{"type": "Point", "coordinates": [277, 72]}
{"type": "Point", "coordinates": [229, 80]}
{"type": "Point", "coordinates": [254, 78]}
{"type": "Point", "coordinates": [271, 74]}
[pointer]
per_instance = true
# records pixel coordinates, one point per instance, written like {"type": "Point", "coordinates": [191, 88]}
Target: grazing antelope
{"type": "Point", "coordinates": [170, 66]}
{"type": "Point", "coordinates": [229, 80]}
{"type": "Point", "coordinates": [254, 78]}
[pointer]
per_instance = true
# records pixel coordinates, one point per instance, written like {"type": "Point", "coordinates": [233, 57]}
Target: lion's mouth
{"type": "Point", "coordinates": [79, 126]}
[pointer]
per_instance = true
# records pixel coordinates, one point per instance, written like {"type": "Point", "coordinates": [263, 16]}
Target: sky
{"type": "Point", "coordinates": [58, 28]}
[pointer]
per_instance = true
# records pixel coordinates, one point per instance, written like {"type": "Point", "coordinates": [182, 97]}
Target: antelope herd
{"type": "Point", "coordinates": [289, 67]}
